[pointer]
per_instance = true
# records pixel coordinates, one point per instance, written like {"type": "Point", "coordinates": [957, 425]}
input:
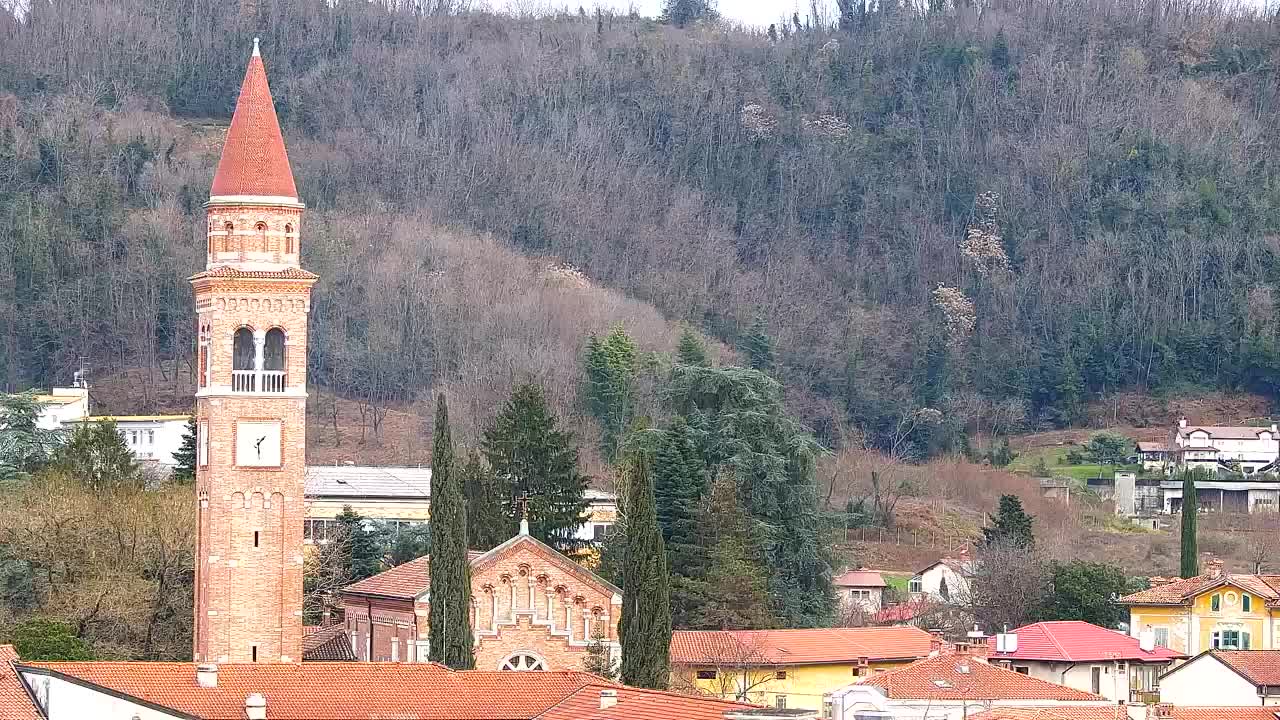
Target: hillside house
{"type": "Point", "coordinates": [946, 580]}
{"type": "Point", "coordinates": [1154, 456]}
{"type": "Point", "coordinates": [1237, 449]}
{"type": "Point", "coordinates": [1088, 657]}
{"type": "Point", "coordinates": [860, 590]}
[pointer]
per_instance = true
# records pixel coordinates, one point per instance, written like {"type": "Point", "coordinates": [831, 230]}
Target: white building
{"type": "Point", "coordinates": [61, 406]}
{"type": "Point", "coordinates": [153, 438]}
{"type": "Point", "coordinates": [946, 580]}
{"type": "Point", "coordinates": [860, 590]}
{"type": "Point", "coordinates": [1232, 678]}
{"type": "Point", "coordinates": [1241, 449]}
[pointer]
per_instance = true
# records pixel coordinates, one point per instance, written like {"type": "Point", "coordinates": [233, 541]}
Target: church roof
{"type": "Point", "coordinates": [412, 580]}
{"type": "Point", "coordinates": [326, 642]}
{"type": "Point", "coordinates": [254, 161]}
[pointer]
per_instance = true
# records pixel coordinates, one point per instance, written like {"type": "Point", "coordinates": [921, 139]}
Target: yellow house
{"type": "Point", "coordinates": [1209, 611]}
{"type": "Point", "coordinates": [788, 668]}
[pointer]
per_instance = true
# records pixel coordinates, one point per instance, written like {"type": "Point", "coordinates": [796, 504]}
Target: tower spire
{"type": "Point", "coordinates": [254, 162]}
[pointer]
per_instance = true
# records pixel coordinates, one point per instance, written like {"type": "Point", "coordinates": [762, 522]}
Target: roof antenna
{"type": "Point", "coordinates": [255, 48]}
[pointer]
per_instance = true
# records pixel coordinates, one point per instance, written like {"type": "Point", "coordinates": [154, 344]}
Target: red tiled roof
{"type": "Point", "coordinates": [254, 160]}
{"type": "Point", "coordinates": [1079, 641]}
{"type": "Point", "coordinates": [859, 578]}
{"type": "Point", "coordinates": [1225, 713]}
{"type": "Point", "coordinates": [335, 691]}
{"type": "Point", "coordinates": [326, 643]}
{"type": "Point", "coordinates": [1182, 592]}
{"type": "Point", "coordinates": [1261, 667]}
{"type": "Point", "coordinates": [902, 612]}
{"type": "Point", "coordinates": [796, 647]}
{"type": "Point", "coordinates": [225, 271]}
{"type": "Point", "coordinates": [944, 678]}
{"type": "Point", "coordinates": [406, 581]}
{"type": "Point", "coordinates": [15, 703]}
{"type": "Point", "coordinates": [1109, 712]}
{"type": "Point", "coordinates": [636, 704]}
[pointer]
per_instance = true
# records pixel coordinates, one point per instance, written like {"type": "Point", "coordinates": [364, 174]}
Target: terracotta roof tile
{"type": "Point", "coordinates": [635, 704]}
{"type": "Point", "coordinates": [15, 703]}
{"type": "Point", "coordinates": [1225, 713]}
{"type": "Point", "coordinates": [254, 160]}
{"type": "Point", "coordinates": [1079, 641]}
{"type": "Point", "coordinates": [1182, 592]}
{"type": "Point", "coordinates": [1225, 432]}
{"type": "Point", "coordinates": [328, 642]}
{"type": "Point", "coordinates": [1110, 712]}
{"type": "Point", "coordinates": [334, 691]}
{"type": "Point", "coordinates": [859, 578]}
{"type": "Point", "coordinates": [1261, 667]}
{"type": "Point", "coordinates": [407, 581]}
{"type": "Point", "coordinates": [943, 678]}
{"type": "Point", "coordinates": [226, 271]}
{"type": "Point", "coordinates": [797, 647]}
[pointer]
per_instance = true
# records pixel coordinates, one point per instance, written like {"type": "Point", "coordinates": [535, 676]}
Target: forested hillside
{"type": "Point", "coordinates": [994, 211]}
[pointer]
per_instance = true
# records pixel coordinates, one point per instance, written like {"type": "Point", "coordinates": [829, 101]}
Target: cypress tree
{"type": "Point", "coordinates": [185, 456]}
{"type": "Point", "coordinates": [488, 525]}
{"type": "Point", "coordinates": [450, 618]}
{"type": "Point", "coordinates": [645, 625]}
{"type": "Point", "coordinates": [530, 456]}
{"type": "Point", "coordinates": [1190, 565]}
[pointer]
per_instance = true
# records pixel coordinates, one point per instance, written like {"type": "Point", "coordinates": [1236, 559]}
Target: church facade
{"type": "Point", "coordinates": [252, 301]}
{"type": "Point", "coordinates": [532, 608]}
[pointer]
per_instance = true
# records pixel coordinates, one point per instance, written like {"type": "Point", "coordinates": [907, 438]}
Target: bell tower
{"type": "Point", "coordinates": [252, 301]}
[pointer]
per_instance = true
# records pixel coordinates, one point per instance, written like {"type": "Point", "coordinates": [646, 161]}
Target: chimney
{"type": "Point", "coordinates": [1182, 421]}
{"type": "Point", "coordinates": [255, 707]}
{"type": "Point", "coordinates": [937, 645]}
{"type": "Point", "coordinates": [1162, 710]}
{"type": "Point", "coordinates": [1147, 640]}
{"type": "Point", "coordinates": [608, 698]}
{"type": "Point", "coordinates": [207, 675]}
{"type": "Point", "coordinates": [1213, 567]}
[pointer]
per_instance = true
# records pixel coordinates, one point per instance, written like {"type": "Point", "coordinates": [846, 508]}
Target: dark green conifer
{"type": "Point", "coordinates": [1012, 525]}
{"type": "Point", "coordinates": [1190, 557]}
{"type": "Point", "coordinates": [488, 524]}
{"type": "Point", "coordinates": [645, 626]}
{"type": "Point", "coordinates": [450, 603]}
{"type": "Point", "coordinates": [185, 455]}
{"type": "Point", "coordinates": [757, 346]}
{"type": "Point", "coordinates": [690, 350]}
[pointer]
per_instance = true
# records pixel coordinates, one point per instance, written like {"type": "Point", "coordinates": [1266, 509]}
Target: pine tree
{"type": "Point", "coordinates": [757, 346]}
{"type": "Point", "coordinates": [449, 620]}
{"type": "Point", "coordinates": [488, 524]}
{"type": "Point", "coordinates": [185, 457]}
{"type": "Point", "coordinates": [1070, 390]}
{"type": "Point", "coordinates": [97, 456]}
{"type": "Point", "coordinates": [734, 592]}
{"type": "Point", "coordinates": [645, 626]}
{"type": "Point", "coordinates": [610, 370]}
{"type": "Point", "coordinates": [1012, 525]}
{"type": "Point", "coordinates": [363, 547]}
{"type": "Point", "coordinates": [1190, 565]}
{"type": "Point", "coordinates": [679, 477]}
{"type": "Point", "coordinates": [690, 350]}
{"type": "Point", "coordinates": [530, 456]}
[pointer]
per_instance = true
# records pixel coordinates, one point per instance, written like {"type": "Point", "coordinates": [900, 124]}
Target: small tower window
{"type": "Point", "coordinates": [230, 230]}
{"type": "Point", "coordinates": [255, 538]}
{"type": "Point", "coordinates": [242, 361]}
{"type": "Point", "coordinates": [254, 650]}
{"type": "Point", "coordinates": [288, 239]}
{"type": "Point", "coordinates": [273, 361]}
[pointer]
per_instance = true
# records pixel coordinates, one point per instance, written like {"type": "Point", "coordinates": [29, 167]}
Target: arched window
{"type": "Point", "coordinates": [243, 377]}
{"type": "Point", "coordinates": [522, 661]}
{"type": "Point", "coordinates": [260, 227]}
{"type": "Point", "coordinates": [288, 238]}
{"type": "Point", "coordinates": [229, 229]}
{"type": "Point", "coordinates": [273, 361]}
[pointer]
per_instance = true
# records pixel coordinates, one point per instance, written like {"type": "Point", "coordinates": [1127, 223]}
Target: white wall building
{"type": "Point", "coordinates": [1247, 450]}
{"type": "Point", "coordinates": [946, 580]}
{"type": "Point", "coordinates": [152, 438]}
{"type": "Point", "coordinates": [61, 406]}
{"type": "Point", "coordinates": [1228, 678]}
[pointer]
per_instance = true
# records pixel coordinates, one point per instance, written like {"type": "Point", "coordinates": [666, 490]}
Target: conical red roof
{"type": "Point", "coordinates": [254, 161]}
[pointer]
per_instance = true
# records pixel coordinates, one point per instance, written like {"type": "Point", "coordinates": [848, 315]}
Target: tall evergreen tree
{"type": "Point", "coordinates": [733, 593]}
{"type": "Point", "coordinates": [488, 524]}
{"type": "Point", "coordinates": [362, 544]}
{"type": "Point", "coordinates": [1190, 555]}
{"type": "Point", "coordinates": [690, 350]}
{"type": "Point", "coordinates": [645, 626]}
{"type": "Point", "coordinates": [96, 455]}
{"type": "Point", "coordinates": [530, 456]}
{"type": "Point", "coordinates": [745, 428]}
{"type": "Point", "coordinates": [1012, 525]}
{"type": "Point", "coordinates": [25, 447]}
{"type": "Point", "coordinates": [185, 456]}
{"type": "Point", "coordinates": [757, 346]}
{"type": "Point", "coordinates": [679, 478]}
{"type": "Point", "coordinates": [450, 608]}
{"type": "Point", "coordinates": [610, 370]}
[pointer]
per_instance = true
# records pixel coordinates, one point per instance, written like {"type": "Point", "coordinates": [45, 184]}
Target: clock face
{"type": "Point", "coordinates": [258, 443]}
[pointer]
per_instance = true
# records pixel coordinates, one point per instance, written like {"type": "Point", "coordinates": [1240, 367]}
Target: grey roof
{"type": "Point", "coordinates": [1226, 432]}
{"type": "Point", "coordinates": [376, 481]}
{"type": "Point", "coordinates": [368, 481]}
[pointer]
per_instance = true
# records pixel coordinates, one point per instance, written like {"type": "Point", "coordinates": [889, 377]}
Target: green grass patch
{"type": "Point", "coordinates": [897, 581]}
{"type": "Point", "coordinates": [1055, 458]}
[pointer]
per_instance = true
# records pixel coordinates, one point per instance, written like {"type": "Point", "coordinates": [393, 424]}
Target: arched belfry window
{"type": "Point", "coordinates": [243, 355]}
{"type": "Point", "coordinates": [230, 229]}
{"type": "Point", "coordinates": [273, 361]}
{"type": "Point", "coordinates": [522, 661]}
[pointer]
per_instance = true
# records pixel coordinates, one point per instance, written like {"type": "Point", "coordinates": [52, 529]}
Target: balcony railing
{"type": "Point", "coordinates": [247, 381]}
